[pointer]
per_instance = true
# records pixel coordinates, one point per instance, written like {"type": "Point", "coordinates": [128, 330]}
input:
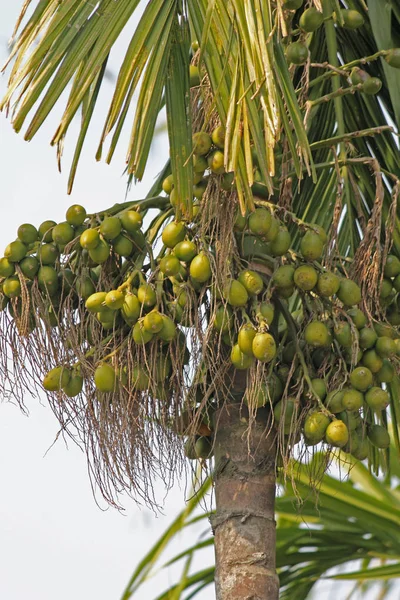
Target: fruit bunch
{"type": "Point", "coordinates": [143, 325]}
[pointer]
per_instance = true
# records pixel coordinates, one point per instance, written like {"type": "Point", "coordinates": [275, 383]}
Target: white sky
{"type": "Point", "coordinates": [54, 540]}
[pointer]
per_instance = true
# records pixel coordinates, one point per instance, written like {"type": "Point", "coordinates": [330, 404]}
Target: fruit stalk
{"type": "Point", "coordinates": [244, 524]}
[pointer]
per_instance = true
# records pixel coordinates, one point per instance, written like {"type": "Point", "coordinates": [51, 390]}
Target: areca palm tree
{"type": "Point", "coordinates": [249, 302]}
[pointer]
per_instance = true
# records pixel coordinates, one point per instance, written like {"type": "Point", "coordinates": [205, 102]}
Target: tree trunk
{"type": "Point", "coordinates": [244, 523]}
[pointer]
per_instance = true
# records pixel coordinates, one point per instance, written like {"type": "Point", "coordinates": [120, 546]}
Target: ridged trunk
{"type": "Point", "coordinates": [244, 523]}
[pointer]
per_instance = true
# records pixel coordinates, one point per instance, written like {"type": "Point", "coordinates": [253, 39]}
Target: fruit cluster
{"type": "Point", "coordinates": [310, 20]}
{"type": "Point", "coordinates": [134, 327]}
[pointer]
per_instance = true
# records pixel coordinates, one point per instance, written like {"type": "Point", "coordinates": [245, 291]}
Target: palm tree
{"type": "Point", "coordinates": [255, 310]}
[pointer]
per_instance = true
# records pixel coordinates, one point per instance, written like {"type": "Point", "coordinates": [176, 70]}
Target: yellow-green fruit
{"type": "Point", "coordinates": [200, 268]}
{"type": "Point", "coordinates": [173, 198]}
{"type": "Point", "coordinates": [168, 184]}
{"type": "Point", "coordinates": [27, 233]}
{"type": "Point", "coordinates": [140, 335]}
{"type": "Point", "coordinates": [305, 277]}
{"type": "Point", "coordinates": [131, 220]}
{"type": "Point", "coordinates": [386, 373]}
{"type": "Point", "coordinates": [185, 250]}
{"type": "Point", "coordinates": [292, 4]}
{"type": "Point", "coordinates": [351, 419]}
{"type": "Point", "coordinates": [101, 253]}
{"type": "Point", "coordinates": [284, 412]}
{"type": "Point", "coordinates": [194, 76]}
{"type": "Point", "coordinates": [123, 246]}
{"type": "Point", "coordinates": [315, 426]}
{"type": "Point", "coordinates": [223, 318]}
{"type": "Point", "coordinates": [218, 136]}
{"type": "Point", "coordinates": [393, 58]}
{"type": "Point", "coordinates": [140, 379]}
{"type": "Point", "coordinates": [377, 399]}
{"type": "Point", "coordinates": [386, 289]}
{"type": "Point", "coordinates": [367, 338]}
{"type": "Point", "coordinates": [7, 268]}
{"type": "Point", "coordinates": [378, 436]}
{"type": "Point", "coordinates": [281, 244]}
{"type": "Point", "coordinates": [84, 286]}
{"type": "Point", "coordinates": [273, 231]}
{"type": "Point", "coordinates": [362, 451]}
{"type": "Point", "coordinates": [361, 378]}
{"type": "Point", "coordinates": [110, 228]}
{"type": "Point", "coordinates": [311, 245]}
{"type": "Point", "coordinates": [48, 280]}
{"type": "Point", "coordinates": [283, 276]}
{"type": "Point", "coordinates": [334, 401]}
{"type": "Point", "coordinates": [260, 221]}
{"type": "Point", "coordinates": [344, 335]}
{"type": "Point", "coordinates": [251, 281]}
{"type": "Point", "coordinates": [267, 310]}
{"type": "Point", "coordinates": [153, 322]}
{"type": "Point", "coordinates": [15, 251]}
{"type": "Point", "coordinates": [146, 295]}
{"type": "Point", "coordinates": [349, 292]}
{"type": "Point", "coordinates": [200, 164]}
{"type": "Point", "coordinates": [215, 161]}
{"type": "Point", "coordinates": [74, 385]}
{"type": "Point", "coordinates": [385, 347]}
{"type": "Point", "coordinates": [201, 143]}
{"type": "Point", "coordinates": [47, 254]}
{"type": "Point", "coordinates": [358, 317]}
{"type": "Point", "coordinates": [12, 287]}
{"type": "Point", "coordinates": [131, 308]}
{"type": "Point", "coordinates": [319, 387]}
{"type": "Point", "coordinates": [317, 335]}
{"type": "Point", "coordinates": [236, 294]}
{"type": "Point", "coordinates": [203, 447]}
{"type": "Point", "coordinates": [168, 331]}
{"type": "Point", "coordinates": [89, 239]}
{"type": "Point", "coordinates": [63, 233]}
{"type": "Point", "coordinates": [337, 434]}
{"type": "Point", "coordinates": [285, 292]}
{"type": "Point", "coordinates": [239, 360]}
{"type": "Point", "coordinates": [228, 181]}
{"type": "Point", "coordinates": [200, 188]}
{"type": "Point", "coordinates": [45, 230]}
{"type": "Point", "coordinates": [385, 330]}
{"type": "Point", "coordinates": [372, 361]}
{"type": "Point", "coordinates": [392, 266]}
{"type": "Point", "coordinates": [353, 443]}
{"type": "Point", "coordinates": [352, 399]}
{"type": "Point", "coordinates": [328, 284]}
{"type": "Point", "coordinates": [173, 233]}
{"type": "Point", "coordinates": [56, 379]}
{"type": "Point", "coordinates": [358, 76]}
{"type": "Point", "coordinates": [170, 265]}
{"type": "Point", "coordinates": [311, 19]}
{"type": "Point", "coordinates": [352, 19]}
{"type": "Point", "coordinates": [264, 347]}
{"type": "Point", "coordinates": [95, 302]}
{"type": "Point", "coordinates": [372, 86]}
{"type": "Point", "coordinates": [115, 299]}
{"type": "Point", "coordinates": [246, 336]}
{"type": "Point", "coordinates": [297, 53]}
{"type": "Point", "coordinates": [105, 378]}
{"type": "Point", "coordinates": [75, 215]}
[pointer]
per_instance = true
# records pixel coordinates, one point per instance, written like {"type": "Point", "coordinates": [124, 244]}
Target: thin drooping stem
{"type": "Point", "coordinates": [244, 523]}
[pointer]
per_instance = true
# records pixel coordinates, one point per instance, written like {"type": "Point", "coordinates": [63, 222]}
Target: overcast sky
{"type": "Point", "coordinates": [54, 540]}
